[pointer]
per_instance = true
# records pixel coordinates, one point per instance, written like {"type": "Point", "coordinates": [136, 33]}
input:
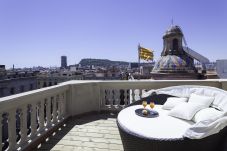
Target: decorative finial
{"type": "Point", "coordinates": [172, 21]}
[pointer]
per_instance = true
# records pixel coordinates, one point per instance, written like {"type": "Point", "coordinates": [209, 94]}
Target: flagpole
{"type": "Point", "coordinates": [139, 59]}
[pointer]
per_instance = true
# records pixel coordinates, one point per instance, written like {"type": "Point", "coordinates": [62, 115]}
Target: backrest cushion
{"type": "Point", "coordinates": [220, 96]}
{"type": "Point", "coordinates": [207, 114]}
{"type": "Point", "coordinates": [172, 102]}
{"type": "Point", "coordinates": [201, 99]}
{"type": "Point", "coordinates": [186, 110]}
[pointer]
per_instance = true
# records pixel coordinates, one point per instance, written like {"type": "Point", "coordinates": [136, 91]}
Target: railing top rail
{"type": "Point", "coordinates": [73, 82]}
{"type": "Point", "coordinates": [45, 92]}
{"type": "Point", "coordinates": [27, 97]}
{"type": "Point", "coordinates": [144, 80]}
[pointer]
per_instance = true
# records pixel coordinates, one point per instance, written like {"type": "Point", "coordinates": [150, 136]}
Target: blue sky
{"type": "Point", "coordinates": [38, 32]}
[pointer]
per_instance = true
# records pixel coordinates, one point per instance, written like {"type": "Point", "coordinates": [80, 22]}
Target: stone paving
{"type": "Point", "coordinates": [94, 132]}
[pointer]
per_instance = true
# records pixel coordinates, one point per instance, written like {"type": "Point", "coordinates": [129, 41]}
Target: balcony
{"type": "Point", "coordinates": [75, 115]}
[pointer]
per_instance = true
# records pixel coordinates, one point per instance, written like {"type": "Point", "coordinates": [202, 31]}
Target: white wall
{"type": "Point", "coordinates": [222, 68]}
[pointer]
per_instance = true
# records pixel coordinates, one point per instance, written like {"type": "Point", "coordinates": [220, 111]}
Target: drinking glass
{"type": "Point", "coordinates": [152, 105]}
{"type": "Point", "coordinates": [144, 104]}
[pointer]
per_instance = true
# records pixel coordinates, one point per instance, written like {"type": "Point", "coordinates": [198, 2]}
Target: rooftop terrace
{"type": "Point", "coordinates": [81, 109]}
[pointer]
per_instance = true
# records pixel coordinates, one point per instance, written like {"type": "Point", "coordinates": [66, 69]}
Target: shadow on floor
{"type": "Point", "coordinates": [71, 123]}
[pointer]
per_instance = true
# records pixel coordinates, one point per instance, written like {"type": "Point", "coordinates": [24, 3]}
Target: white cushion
{"type": "Point", "coordinates": [162, 127]}
{"type": "Point", "coordinates": [186, 110]}
{"type": "Point", "coordinates": [207, 114]}
{"type": "Point", "coordinates": [220, 96]}
{"type": "Point", "coordinates": [172, 102]}
{"type": "Point", "coordinates": [204, 100]}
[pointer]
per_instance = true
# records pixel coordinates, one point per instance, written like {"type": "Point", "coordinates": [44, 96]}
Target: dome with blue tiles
{"type": "Point", "coordinates": [172, 64]}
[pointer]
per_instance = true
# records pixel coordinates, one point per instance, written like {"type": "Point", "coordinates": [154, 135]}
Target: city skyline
{"type": "Point", "coordinates": [37, 33]}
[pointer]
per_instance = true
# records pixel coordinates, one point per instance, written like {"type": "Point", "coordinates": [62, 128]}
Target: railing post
{"type": "Point", "coordinates": [33, 120]}
{"type": "Point", "coordinates": [12, 129]}
{"type": "Point", "coordinates": [23, 124]}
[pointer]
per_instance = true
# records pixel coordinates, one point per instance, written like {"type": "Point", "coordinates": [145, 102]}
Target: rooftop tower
{"type": "Point", "coordinates": [175, 62]}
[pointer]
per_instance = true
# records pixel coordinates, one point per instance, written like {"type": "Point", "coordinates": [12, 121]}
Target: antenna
{"type": "Point", "coordinates": [172, 21]}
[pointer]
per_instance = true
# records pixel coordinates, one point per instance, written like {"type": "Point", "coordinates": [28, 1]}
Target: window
{"type": "Point", "coordinates": [12, 90]}
{"type": "Point", "coordinates": [31, 86]}
{"type": "Point", "coordinates": [175, 44]}
{"type": "Point", "coordinates": [44, 84]}
{"type": "Point", "coordinates": [21, 88]}
{"type": "Point", "coordinates": [1, 92]}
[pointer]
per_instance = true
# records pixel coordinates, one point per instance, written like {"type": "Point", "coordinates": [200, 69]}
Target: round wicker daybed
{"type": "Point", "coordinates": [135, 137]}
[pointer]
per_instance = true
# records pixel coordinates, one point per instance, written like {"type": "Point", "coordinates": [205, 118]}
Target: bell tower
{"type": "Point", "coordinates": [174, 63]}
{"type": "Point", "coordinates": [172, 41]}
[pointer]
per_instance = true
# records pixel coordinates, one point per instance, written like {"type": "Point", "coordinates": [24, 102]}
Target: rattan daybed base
{"type": "Point", "coordinates": [135, 143]}
{"type": "Point", "coordinates": [131, 142]}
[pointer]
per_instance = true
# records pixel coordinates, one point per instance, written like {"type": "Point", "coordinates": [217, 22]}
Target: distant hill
{"type": "Point", "coordinates": [101, 62]}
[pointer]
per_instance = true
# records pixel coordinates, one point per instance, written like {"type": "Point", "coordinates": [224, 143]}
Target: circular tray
{"type": "Point", "coordinates": [150, 113]}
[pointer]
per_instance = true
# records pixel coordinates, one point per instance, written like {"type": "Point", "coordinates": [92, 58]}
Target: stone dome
{"type": "Point", "coordinates": [173, 30]}
{"type": "Point", "coordinates": [172, 64]}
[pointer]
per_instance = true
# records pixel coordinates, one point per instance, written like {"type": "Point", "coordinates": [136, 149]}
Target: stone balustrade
{"type": "Point", "coordinates": [27, 117]}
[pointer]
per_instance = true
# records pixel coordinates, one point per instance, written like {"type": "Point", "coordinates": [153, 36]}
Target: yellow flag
{"type": "Point", "coordinates": [145, 54]}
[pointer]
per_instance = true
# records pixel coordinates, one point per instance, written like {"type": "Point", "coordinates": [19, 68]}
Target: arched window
{"type": "Point", "coordinates": [175, 44]}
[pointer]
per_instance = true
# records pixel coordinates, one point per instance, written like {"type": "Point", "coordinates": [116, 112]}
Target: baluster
{"type": "Point", "coordinates": [41, 115]}
{"type": "Point", "coordinates": [107, 97]}
{"type": "Point", "coordinates": [125, 97]}
{"type": "Point", "coordinates": [117, 98]}
{"type": "Point", "coordinates": [140, 93]}
{"type": "Point", "coordinates": [64, 105]}
{"type": "Point", "coordinates": [23, 125]}
{"type": "Point", "coordinates": [33, 120]}
{"type": "Point", "coordinates": [114, 98]}
{"type": "Point", "coordinates": [48, 112]}
{"type": "Point", "coordinates": [133, 95]}
{"type": "Point", "coordinates": [102, 96]}
{"type": "Point", "coordinates": [60, 108]}
{"type": "Point", "coordinates": [111, 96]}
{"type": "Point", "coordinates": [54, 109]}
{"type": "Point", "coordinates": [1, 131]}
{"type": "Point", "coordinates": [12, 129]}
